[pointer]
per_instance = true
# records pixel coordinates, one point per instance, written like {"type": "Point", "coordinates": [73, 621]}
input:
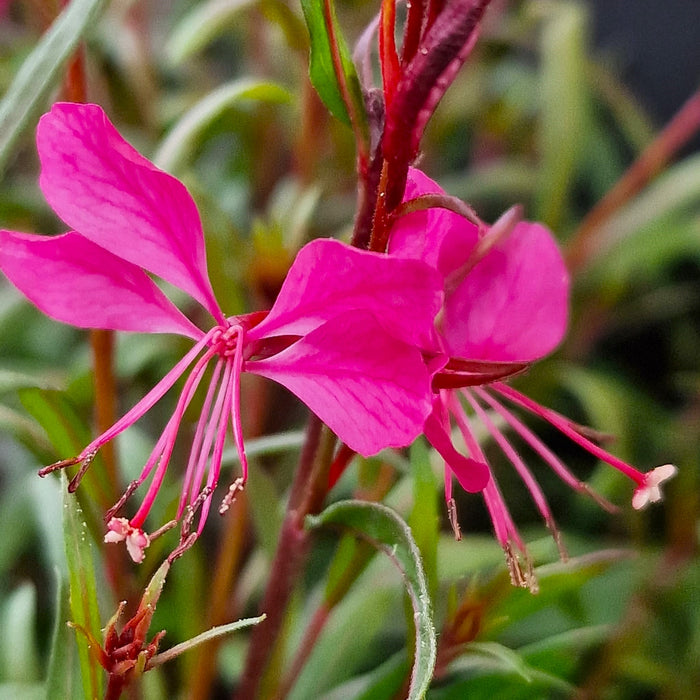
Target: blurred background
{"type": "Point", "coordinates": [559, 99]}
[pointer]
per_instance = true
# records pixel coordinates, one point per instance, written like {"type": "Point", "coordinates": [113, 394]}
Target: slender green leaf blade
{"type": "Point", "coordinates": [41, 70]}
{"type": "Point", "coordinates": [181, 140]}
{"type": "Point", "coordinates": [200, 26]}
{"type": "Point", "coordinates": [564, 121]}
{"type": "Point", "coordinates": [83, 588]}
{"type": "Point", "coordinates": [321, 69]}
{"type": "Point", "coordinates": [62, 680]}
{"type": "Point", "coordinates": [389, 533]}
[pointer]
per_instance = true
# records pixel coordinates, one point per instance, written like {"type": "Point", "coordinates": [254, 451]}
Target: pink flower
{"type": "Point", "coordinates": [338, 336]}
{"type": "Point", "coordinates": [506, 298]}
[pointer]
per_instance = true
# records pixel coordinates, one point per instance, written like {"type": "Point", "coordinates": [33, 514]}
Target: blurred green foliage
{"type": "Point", "coordinates": [218, 90]}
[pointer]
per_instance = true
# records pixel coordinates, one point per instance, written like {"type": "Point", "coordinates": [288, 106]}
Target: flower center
{"type": "Point", "coordinates": [225, 339]}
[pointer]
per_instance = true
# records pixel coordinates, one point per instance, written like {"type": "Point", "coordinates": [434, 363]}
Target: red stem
{"type": "Point", "coordinates": [388, 58]}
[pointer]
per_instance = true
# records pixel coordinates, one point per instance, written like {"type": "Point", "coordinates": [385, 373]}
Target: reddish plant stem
{"type": "Point", "coordinates": [374, 492]}
{"type": "Point", "coordinates": [102, 344]}
{"type": "Point", "coordinates": [584, 244]}
{"type": "Point", "coordinates": [307, 493]}
{"type": "Point", "coordinates": [415, 19]}
{"type": "Point", "coordinates": [388, 58]}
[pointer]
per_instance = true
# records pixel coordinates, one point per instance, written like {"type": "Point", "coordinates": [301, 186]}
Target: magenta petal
{"type": "Point", "coordinates": [442, 239]}
{"type": "Point", "coordinates": [513, 305]}
{"type": "Point", "coordinates": [329, 278]}
{"type": "Point", "coordinates": [372, 390]}
{"type": "Point", "coordinates": [473, 476]}
{"type": "Point", "coordinates": [77, 282]}
{"type": "Point", "coordinates": [100, 186]}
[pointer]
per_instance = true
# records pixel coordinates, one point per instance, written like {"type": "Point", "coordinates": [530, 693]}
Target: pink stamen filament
{"type": "Point", "coordinates": [502, 521]}
{"type": "Point", "coordinates": [191, 485]}
{"type": "Point", "coordinates": [148, 401]}
{"type": "Point", "coordinates": [515, 459]}
{"type": "Point", "coordinates": [217, 426]}
{"type": "Point", "coordinates": [164, 449]}
{"type": "Point", "coordinates": [557, 465]}
{"type": "Point", "coordinates": [525, 474]}
{"type": "Point", "coordinates": [564, 426]}
{"type": "Point", "coordinates": [236, 404]}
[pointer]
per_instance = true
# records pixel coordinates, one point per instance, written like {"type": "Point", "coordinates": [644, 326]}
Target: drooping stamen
{"type": "Point", "coordinates": [452, 515]}
{"type": "Point", "coordinates": [236, 403]}
{"type": "Point", "coordinates": [151, 398]}
{"type": "Point", "coordinates": [504, 527]}
{"type": "Point", "coordinates": [129, 418]}
{"type": "Point", "coordinates": [558, 467]}
{"type": "Point", "coordinates": [525, 474]}
{"type": "Point", "coordinates": [164, 448]}
{"type": "Point", "coordinates": [219, 424]}
{"type": "Point", "coordinates": [199, 451]}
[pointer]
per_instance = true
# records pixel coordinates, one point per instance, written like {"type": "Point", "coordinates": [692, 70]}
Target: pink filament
{"type": "Point", "coordinates": [564, 425]}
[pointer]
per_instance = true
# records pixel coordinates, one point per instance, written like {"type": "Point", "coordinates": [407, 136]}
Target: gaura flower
{"type": "Point", "coordinates": [339, 336]}
{"type": "Point", "coordinates": [506, 305]}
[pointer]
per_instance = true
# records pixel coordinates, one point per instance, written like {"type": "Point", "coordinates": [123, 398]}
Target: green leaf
{"type": "Point", "coordinates": [383, 528]}
{"type": "Point", "coordinates": [18, 645]}
{"type": "Point", "coordinates": [213, 633]}
{"type": "Point", "coordinates": [83, 589]}
{"type": "Point", "coordinates": [41, 70]}
{"type": "Point", "coordinates": [182, 138]}
{"type": "Point", "coordinates": [425, 520]}
{"type": "Point", "coordinates": [323, 35]}
{"type": "Point", "coordinates": [62, 680]}
{"type": "Point", "coordinates": [564, 115]}
{"type": "Point", "coordinates": [200, 26]}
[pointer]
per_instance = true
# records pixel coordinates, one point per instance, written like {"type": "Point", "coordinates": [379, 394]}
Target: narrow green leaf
{"type": "Point", "coordinates": [200, 26]}
{"type": "Point", "coordinates": [210, 634]}
{"type": "Point", "coordinates": [180, 141]}
{"type": "Point", "coordinates": [18, 645]}
{"type": "Point", "coordinates": [564, 115]}
{"type": "Point", "coordinates": [62, 680]}
{"type": "Point", "coordinates": [383, 528]}
{"type": "Point", "coordinates": [83, 589]}
{"type": "Point", "coordinates": [321, 68]}
{"type": "Point", "coordinates": [41, 70]}
{"type": "Point", "coordinates": [510, 659]}
{"type": "Point", "coordinates": [65, 430]}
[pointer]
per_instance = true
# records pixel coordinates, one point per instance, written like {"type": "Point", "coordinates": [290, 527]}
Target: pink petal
{"type": "Point", "coordinates": [329, 278]}
{"type": "Point", "coordinates": [74, 281]}
{"type": "Point", "coordinates": [472, 475]}
{"type": "Point", "coordinates": [100, 186]}
{"type": "Point", "coordinates": [438, 237]}
{"type": "Point", "coordinates": [372, 390]}
{"type": "Point", "coordinates": [513, 305]}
